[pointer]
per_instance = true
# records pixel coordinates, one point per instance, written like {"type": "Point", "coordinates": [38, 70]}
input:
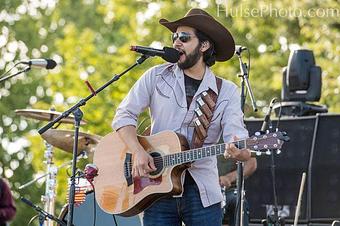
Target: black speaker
{"type": "Point", "coordinates": [290, 164]}
{"type": "Point", "coordinates": [325, 170]}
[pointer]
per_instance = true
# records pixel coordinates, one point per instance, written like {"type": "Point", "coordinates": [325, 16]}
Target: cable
{"type": "Point", "coordinates": [94, 207]}
{"type": "Point", "coordinates": [4, 74]}
{"type": "Point", "coordinates": [114, 218]}
{"type": "Point", "coordinates": [94, 200]}
{"type": "Point", "coordinates": [32, 219]}
{"type": "Point", "coordinates": [279, 118]}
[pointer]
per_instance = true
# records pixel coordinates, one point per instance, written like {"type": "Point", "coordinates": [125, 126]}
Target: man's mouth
{"type": "Point", "coordinates": [181, 53]}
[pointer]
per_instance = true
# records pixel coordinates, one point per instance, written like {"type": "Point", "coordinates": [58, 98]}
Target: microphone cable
{"type": "Point", "coordinates": [279, 117]}
{"type": "Point", "coordinates": [114, 218]}
{"type": "Point", "coordinates": [94, 205]}
{"type": "Point", "coordinates": [4, 74]}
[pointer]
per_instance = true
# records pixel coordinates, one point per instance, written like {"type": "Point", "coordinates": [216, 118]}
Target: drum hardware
{"type": "Point", "coordinates": [50, 184]}
{"type": "Point", "coordinates": [62, 139]}
{"type": "Point", "coordinates": [48, 199]}
{"type": "Point", "coordinates": [51, 170]}
{"type": "Point", "coordinates": [82, 155]}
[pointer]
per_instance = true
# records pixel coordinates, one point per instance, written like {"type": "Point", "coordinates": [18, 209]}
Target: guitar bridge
{"type": "Point", "coordinates": [128, 168]}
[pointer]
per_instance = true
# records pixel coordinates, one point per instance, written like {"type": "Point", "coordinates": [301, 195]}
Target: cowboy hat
{"type": "Point", "coordinates": [202, 21]}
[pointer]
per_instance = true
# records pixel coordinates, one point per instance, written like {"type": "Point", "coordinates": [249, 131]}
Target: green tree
{"type": "Point", "coordinates": [90, 40]}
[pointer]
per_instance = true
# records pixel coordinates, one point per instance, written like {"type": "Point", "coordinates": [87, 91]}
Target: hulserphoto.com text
{"type": "Point", "coordinates": [225, 9]}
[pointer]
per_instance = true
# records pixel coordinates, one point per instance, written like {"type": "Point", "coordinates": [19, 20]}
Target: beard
{"type": "Point", "coordinates": [190, 59]}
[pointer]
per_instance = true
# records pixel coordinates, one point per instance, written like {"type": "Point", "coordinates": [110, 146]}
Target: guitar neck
{"type": "Point", "coordinates": [199, 153]}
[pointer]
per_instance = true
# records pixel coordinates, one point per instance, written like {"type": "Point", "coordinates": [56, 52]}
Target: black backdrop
{"type": "Point", "coordinates": [314, 148]}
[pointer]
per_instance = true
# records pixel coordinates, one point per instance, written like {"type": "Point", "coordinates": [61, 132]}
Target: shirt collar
{"type": "Point", "coordinates": [209, 79]}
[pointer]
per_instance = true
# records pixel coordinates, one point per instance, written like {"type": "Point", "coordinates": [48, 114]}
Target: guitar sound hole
{"type": "Point", "coordinates": [158, 160]}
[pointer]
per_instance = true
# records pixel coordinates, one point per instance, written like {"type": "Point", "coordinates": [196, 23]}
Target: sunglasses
{"type": "Point", "coordinates": [182, 36]}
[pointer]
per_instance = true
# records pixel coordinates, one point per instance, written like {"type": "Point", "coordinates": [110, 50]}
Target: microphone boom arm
{"type": "Point", "coordinates": [82, 102]}
{"type": "Point", "coordinates": [15, 74]}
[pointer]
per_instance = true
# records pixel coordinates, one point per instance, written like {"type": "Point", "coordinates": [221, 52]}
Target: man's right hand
{"type": "Point", "coordinates": [143, 164]}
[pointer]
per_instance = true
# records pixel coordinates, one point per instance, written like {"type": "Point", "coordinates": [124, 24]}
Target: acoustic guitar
{"type": "Point", "coordinates": [117, 192]}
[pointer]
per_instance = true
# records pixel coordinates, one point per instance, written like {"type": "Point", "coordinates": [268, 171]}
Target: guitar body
{"type": "Point", "coordinates": [117, 192]}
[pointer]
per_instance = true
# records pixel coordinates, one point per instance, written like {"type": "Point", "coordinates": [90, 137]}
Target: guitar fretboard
{"type": "Point", "coordinates": [199, 153]}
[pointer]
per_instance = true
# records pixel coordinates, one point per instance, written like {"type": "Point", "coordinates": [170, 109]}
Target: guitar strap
{"type": "Point", "coordinates": [206, 102]}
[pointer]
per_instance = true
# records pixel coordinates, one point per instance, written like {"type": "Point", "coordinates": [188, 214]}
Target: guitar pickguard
{"type": "Point", "coordinates": [142, 182]}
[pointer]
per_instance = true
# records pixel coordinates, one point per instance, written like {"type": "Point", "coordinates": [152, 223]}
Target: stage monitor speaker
{"type": "Point", "coordinates": [290, 164]}
{"type": "Point", "coordinates": [325, 170]}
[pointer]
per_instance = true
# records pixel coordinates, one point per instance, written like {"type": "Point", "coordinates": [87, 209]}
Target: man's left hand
{"type": "Point", "coordinates": [232, 151]}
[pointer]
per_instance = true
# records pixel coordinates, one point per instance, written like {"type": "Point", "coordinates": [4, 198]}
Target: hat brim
{"type": "Point", "coordinates": [222, 38]}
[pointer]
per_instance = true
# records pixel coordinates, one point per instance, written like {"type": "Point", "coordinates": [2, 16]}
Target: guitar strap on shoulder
{"type": "Point", "coordinates": [206, 106]}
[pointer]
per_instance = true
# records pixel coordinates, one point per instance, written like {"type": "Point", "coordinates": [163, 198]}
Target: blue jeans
{"type": "Point", "coordinates": [188, 208]}
{"type": "Point", "coordinates": [230, 207]}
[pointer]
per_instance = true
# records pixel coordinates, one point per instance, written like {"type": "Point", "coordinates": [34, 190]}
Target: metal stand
{"type": "Point", "coordinates": [42, 213]}
{"type": "Point", "coordinates": [266, 128]}
{"type": "Point", "coordinates": [274, 219]}
{"type": "Point", "coordinates": [78, 116]}
{"type": "Point", "coordinates": [46, 174]}
{"type": "Point", "coordinates": [240, 179]}
{"type": "Point", "coordinates": [51, 183]}
{"type": "Point", "coordinates": [10, 76]}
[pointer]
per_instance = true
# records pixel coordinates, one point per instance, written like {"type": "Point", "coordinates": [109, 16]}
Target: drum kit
{"type": "Point", "coordinates": [84, 198]}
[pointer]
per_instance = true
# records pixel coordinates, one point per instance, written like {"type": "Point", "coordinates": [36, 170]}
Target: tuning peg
{"type": "Point", "coordinates": [257, 134]}
{"type": "Point", "coordinates": [268, 152]}
{"type": "Point", "coordinates": [278, 151]}
{"type": "Point", "coordinates": [285, 136]}
{"type": "Point", "coordinates": [258, 153]}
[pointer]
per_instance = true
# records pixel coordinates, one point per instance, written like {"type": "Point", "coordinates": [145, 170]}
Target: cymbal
{"type": "Point", "coordinates": [45, 115]}
{"type": "Point", "coordinates": [64, 140]}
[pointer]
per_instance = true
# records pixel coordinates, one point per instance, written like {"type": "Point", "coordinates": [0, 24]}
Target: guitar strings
{"type": "Point", "coordinates": [161, 159]}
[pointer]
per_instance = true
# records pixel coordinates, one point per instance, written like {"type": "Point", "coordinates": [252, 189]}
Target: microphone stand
{"type": "Point", "coordinates": [240, 178]}
{"type": "Point", "coordinates": [272, 219]}
{"type": "Point", "coordinates": [78, 114]}
{"type": "Point", "coordinates": [42, 213]}
{"type": "Point", "coordinates": [10, 76]}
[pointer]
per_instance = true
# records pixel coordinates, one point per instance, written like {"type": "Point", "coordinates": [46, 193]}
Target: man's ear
{"type": "Point", "coordinates": [205, 46]}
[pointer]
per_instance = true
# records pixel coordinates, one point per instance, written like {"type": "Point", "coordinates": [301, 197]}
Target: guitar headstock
{"type": "Point", "coordinates": [273, 140]}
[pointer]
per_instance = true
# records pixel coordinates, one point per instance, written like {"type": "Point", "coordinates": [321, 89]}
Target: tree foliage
{"type": "Point", "coordinates": [90, 40]}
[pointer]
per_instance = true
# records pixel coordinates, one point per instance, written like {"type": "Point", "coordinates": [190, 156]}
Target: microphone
{"type": "Point", "coordinates": [239, 49]}
{"type": "Point", "coordinates": [91, 171]}
{"type": "Point", "coordinates": [267, 117]}
{"type": "Point", "coordinates": [169, 54]}
{"type": "Point", "coordinates": [45, 63]}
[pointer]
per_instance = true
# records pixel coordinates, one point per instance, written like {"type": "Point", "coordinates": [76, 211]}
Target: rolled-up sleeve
{"type": "Point", "coordinates": [135, 102]}
{"type": "Point", "coordinates": [232, 119]}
